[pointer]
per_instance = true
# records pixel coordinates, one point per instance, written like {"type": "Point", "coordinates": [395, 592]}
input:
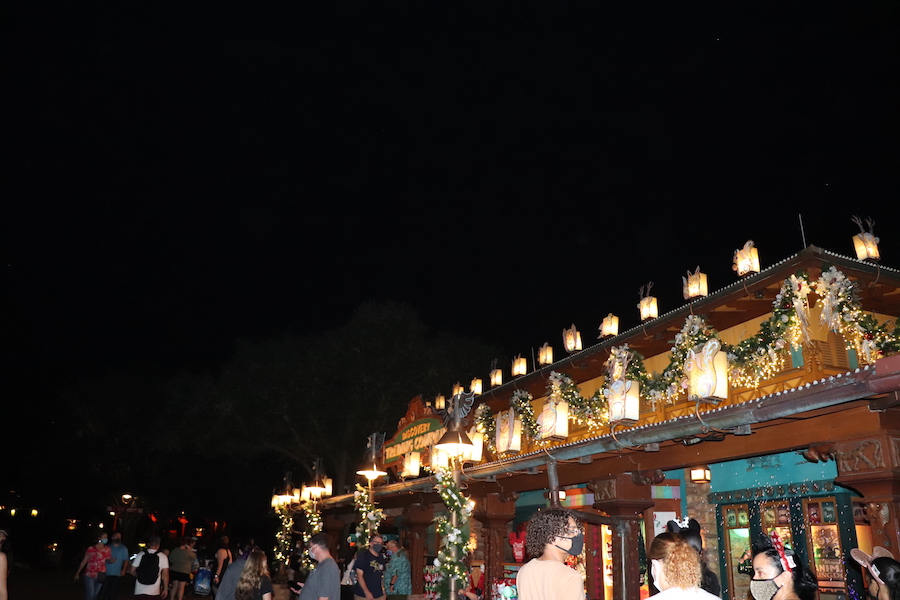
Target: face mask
{"type": "Point", "coordinates": [577, 545]}
{"type": "Point", "coordinates": [311, 554]}
{"type": "Point", "coordinates": [390, 552]}
{"type": "Point", "coordinates": [763, 589]}
{"type": "Point", "coordinates": [116, 541]}
{"type": "Point", "coordinates": [103, 540]}
{"type": "Point", "coordinates": [377, 547]}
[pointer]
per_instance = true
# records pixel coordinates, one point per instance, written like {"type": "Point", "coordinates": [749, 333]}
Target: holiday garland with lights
{"type": "Point", "coordinates": [454, 538]}
{"type": "Point", "coordinates": [313, 525]}
{"type": "Point", "coordinates": [283, 535]}
{"type": "Point", "coordinates": [521, 404]}
{"type": "Point", "coordinates": [484, 420]}
{"type": "Point", "coordinates": [370, 517]}
{"type": "Point", "coordinates": [592, 411]}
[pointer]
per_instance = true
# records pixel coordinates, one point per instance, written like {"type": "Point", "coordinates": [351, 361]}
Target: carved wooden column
{"type": "Point", "coordinates": [621, 498]}
{"type": "Point", "coordinates": [495, 511]}
{"type": "Point", "coordinates": [419, 517]}
{"type": "Point", "coordinates": [872, 467]}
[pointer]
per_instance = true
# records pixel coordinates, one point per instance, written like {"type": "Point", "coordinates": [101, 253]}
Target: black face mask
{"type": "Point", "coordinates": [577, 545]}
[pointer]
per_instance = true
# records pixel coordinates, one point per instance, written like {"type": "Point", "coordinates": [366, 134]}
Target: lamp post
{"type": "Point", "coordinates": [456, 444]}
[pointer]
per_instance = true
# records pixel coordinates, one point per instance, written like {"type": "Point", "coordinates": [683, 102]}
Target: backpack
{"type": "Point", "coordinates": [148, 569]}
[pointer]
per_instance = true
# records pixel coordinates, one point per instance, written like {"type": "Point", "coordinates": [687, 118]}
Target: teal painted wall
{"type": "Point", "coordinates": [774, 469]}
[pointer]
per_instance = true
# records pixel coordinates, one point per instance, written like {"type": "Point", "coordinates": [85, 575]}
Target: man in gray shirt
{"type": "Point", "coordinates": [324, 582]}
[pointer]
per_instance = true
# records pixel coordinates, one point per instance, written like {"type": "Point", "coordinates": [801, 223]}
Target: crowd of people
{"type": "Point", "coordinates": [381, 570]}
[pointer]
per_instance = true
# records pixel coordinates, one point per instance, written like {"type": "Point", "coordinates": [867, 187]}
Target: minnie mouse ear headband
{"type": "Point", "coordinates": [865, 560]}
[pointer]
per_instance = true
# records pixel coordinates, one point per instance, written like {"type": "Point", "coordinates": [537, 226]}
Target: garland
{"type": "Point", "coordinates": [592, 411]}
{"type": "Point", "coordinates": [313, 521]}
{"type": "Point", "coordinates": [761, 356]}
{"type": "Point", "coordinates": [484, 420]}
{"type": "Point", "coordinates": [283, 535]}
{"type": "Point", "coordinates": [521, 403]}
{"type": "Point", "coordinates": [454, 539]}
{"type": "Point", "coordinates": [842, 313]}
{"type": "Point", "coordinates": [669, 384]}
{"type": "Point", "coordinates": [370, 517]}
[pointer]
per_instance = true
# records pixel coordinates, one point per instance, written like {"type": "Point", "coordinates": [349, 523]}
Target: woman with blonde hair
{"type": "Point", "coordinates": [675, 568]}
{"type": "Point", "coordinates": [255, 582]}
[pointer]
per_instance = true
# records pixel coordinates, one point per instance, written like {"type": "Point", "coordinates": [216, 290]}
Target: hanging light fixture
{"type": "Point", "coordinates": [439, 402]}
{"type": "Point", "coordinates": [455, 442]}
{"type": "Point", "coordinates": [647, 305]}
{"type": "Point", "coordinates": [496, 377]}
{"type": "Point", "coordinates": [571, 339]}
{"type": "Point", "coordinates": [508, 432]}
{"type": "Point", "coordinates": [746, 260]}
{"type": "Point", "coordinates": [545, 354]}
{"type": "Point", "coordinates": [519, 366]}
{"type": "Point", "coordinates": [865, 243]}
{"type": "Point", "coordinates": [553, 422]}
{"type": "Point", "coordinates": [475, 453]}
{"type": "Point", "coordinates": [411, 464]}
{"type": "Point", "coordinates": [370, 469]}
{"type": "Point", "coordinates": [694, 285]}
{"type": "Point", "coordinates": [457, 389]}
{"type": "Point", "coordinates": [624, 401]}
{"type": "Point", "coordinates": [610, 326]}
{"type": "Point", "coordinates": [476, 386]}
{"type": "Point", "coordinates": [700, 474]}
{"type": "Point", "coordinates": [707, 369]}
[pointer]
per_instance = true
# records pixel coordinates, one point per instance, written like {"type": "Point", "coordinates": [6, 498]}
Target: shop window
{"type": "Point", "coordinates": [738, 552]}
{"type": "Point", "coordinates": [824, 545]}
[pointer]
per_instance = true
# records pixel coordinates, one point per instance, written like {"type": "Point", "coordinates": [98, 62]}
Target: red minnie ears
{"type": "Point", "coordinates": [865, 560]}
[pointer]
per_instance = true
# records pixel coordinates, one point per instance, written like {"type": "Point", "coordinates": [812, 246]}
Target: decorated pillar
{"type": "Point", "coordinates": [621, 498]}
{"type": "Point", "coordinates": [871, 466]}
{"type": "Point", "coordinates": [494, 512]}
{"type": "Point", "coordinates": [419, 517]}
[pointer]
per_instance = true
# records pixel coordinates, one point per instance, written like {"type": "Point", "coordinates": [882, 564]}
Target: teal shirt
{"type": "Point", "coordinates": [399, 566]}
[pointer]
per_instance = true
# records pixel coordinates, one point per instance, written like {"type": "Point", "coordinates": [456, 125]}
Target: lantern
{"type": "Point", "coordinates": [458, 389]}
{"type": "Point", "coordinates": [440, 402]}
{"type": "Point", "coordinates": [545, 354]}
{"type": "Point", "coordinates": [707, 371]}
{"type": "Point", "coordinates": [866, 246]}
{"type": "Point", "coordinates": [477, 438]}
{"type": "Point", "coordinates": [553, 422]}
{"type": "Point", "coordinates": [439, 459]}
{"type": "Point", "coordinates": [746, 260]}
{"type": "Point", "coordinates": [648, 308]}
{"type": "Point", "coordinates": [624, 401]}
{"type": "Point", "coordinates": [509, 432]}
{"type": "Point", "coordinates": [700, 474]}
{"type": "Point", "coordinates": [571, 339]}
{"type": "Point", "coordinates": [411, 464]}
{"type": "Point", "coordinates": [610, 326]}
{"type": "Point", "coordinates": [865, 243]}
{"type": "Point", "coordinates": [694, 285]}
{"type": "Point", "coordinates": [519, 366]}
{"type": "Point", "coordinates": [476, 386]}
{"type": "Point", "coordinates": [496, 377]}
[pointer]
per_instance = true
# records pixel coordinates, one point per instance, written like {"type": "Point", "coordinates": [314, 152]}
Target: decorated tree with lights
{"type": "Point", "coordinates": [453, 530]}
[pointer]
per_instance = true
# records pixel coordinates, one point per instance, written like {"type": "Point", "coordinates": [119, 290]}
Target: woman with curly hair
{"type": "Point", "coordinates": [675, 568]}
{"type": "Point", "coordinates": [552, 535]}
{"type": "Point", "coordinates": [255, 582]}
{"type": "Point", "coordinates": [781, 575]}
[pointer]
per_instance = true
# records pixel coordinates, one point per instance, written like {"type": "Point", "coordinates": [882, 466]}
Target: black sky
{"type": "Point", "coordinates": [184, 176]}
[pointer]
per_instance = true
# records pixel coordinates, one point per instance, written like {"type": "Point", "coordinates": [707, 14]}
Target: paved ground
{"type": "Point", "coordinates": [29, 584]}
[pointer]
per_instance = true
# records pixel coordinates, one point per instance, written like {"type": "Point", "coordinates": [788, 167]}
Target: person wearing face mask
{"type": "Point", "coordinates": [551, 536]}
{"type": "Point", "coordinates": [116, 567]}
{"type": "Point", "coordinates": [675, 568]}
{"type": "Point", "coordinates": [369, 567]}
{"type": "Point", "coordinates": [94, 566]}
{"type": "Point", "coordinates": [397, 576]}
{"type": "Point", "coordinates": [324, 582]}
{"type": "Point", "coordinates": [884, 573]}
{"type": "Point", "coordinates": [780, 575]}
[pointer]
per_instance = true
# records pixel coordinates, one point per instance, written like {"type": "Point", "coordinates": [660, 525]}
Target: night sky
{"type": "Point", "coordinates": [181, 177]}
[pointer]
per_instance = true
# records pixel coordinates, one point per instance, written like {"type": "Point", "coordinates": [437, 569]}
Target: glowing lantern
{"type": "Point", "coordinates": [865, 243]}
{"type": "Point", "coordinates": [496, 377]}
{"type": "Point", "coordinates": [411, 464]}
{"type": "Point", "coordinates": [475, 453]}
{"type": "Point", "coordinates": [648, 308]}
{"type": "Point", "coordinates": [746, 260]}
{"type": "Point", "coordinates": [624, 401]}
{"type": "Point", "coordinates": [694, 285]}
{"type": "Point", "coordinates": [707, 371]}
{"type": "Point", "coordinates": [519, 366]}
{"type": "Point", "coordinates": [610, 326]}
{"type": "Point", "coordinates": [700, 475]}
{"type": "Point", "coordinates": [439, 459]}
{"type": "Point", "coordinates": [571, 339]}
{"type": "Point", "coordinates": [476, 386]}
{"type": "Point", "coordinates": [553, 422]}
{"type": "Point", "coordinates": [458, 389]}
{"type": "Point", "coordinates": [440, 402]}
{"type": "Point", "coordinates": [545, 354]}
{"type": "Point", "coordinates": [509, 432]}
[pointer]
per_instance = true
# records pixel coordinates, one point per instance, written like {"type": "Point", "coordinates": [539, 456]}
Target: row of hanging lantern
{"type": "Point", "coordinates": [706, 368]}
